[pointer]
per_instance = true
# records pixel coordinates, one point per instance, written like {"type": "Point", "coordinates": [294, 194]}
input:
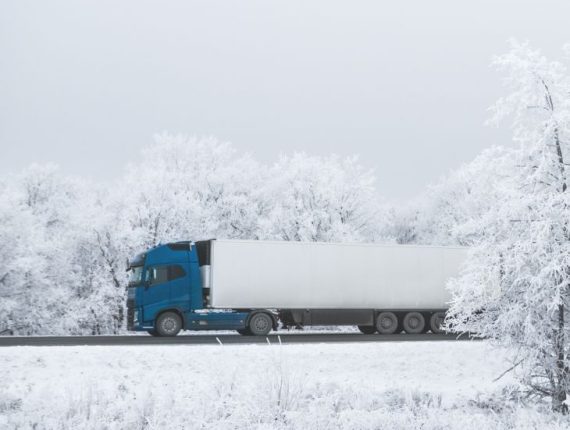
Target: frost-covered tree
{"type": "Point", "coordinates": [448, 213]}
{"type": "Point", "coordinates": [515, 288]}
{"type": "Point", "coordinates": [42, 266]}
{"type": "Point", "coordinates": [199, 188]}
{"type": "Point", "coordinates": [185, 187]}
{"type": "Point", "coordinates": [401, 223]}
{"type": "Point", "coordinates": [322, 199]}
{"type": "Point", "coordinates": [20, 271]}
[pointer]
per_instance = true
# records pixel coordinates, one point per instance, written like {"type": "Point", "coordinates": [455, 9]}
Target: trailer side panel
{"type": "Point", "coordinates": [297, 275]}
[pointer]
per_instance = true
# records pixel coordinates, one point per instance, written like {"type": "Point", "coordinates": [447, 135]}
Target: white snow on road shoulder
{"type": "Point", "coordinates": [317, 386]}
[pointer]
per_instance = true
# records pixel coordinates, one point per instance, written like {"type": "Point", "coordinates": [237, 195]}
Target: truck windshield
{"type": "Point", "coordinates": [136, 275]}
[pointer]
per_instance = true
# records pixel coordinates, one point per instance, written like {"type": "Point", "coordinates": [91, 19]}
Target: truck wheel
{"type": "Point", "coordinates": [244, 331]}
{"type": "Point", "coordinates": [386, 323]}
{"type": "Point", "coordinates": [367, 329]}
{"type": "Point", "coordinates": [152, 332]}
{"type": "Point", "coordinates": [413, 323]}
{"type": "Point", "coordinates": [436, 321]}
{"type": "Point", "coordinates": [168, 324]}
{"type": "Point", "coordinates": [260, 324]}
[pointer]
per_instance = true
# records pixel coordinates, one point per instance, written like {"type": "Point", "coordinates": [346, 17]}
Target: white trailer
{"type": "Point", "coordinates": [384, 288]}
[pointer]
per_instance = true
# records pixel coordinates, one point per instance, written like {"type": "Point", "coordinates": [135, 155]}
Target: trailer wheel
{"type": "Point", "coordinates": [414, 323]}
{"type": "Point", "coordinates": [436, 321]}
{"type": "Point", "coordinates": [386, 323]}
{"type": "Point", "coordinates": [367, 329]}
{"type": "Point", "coordinates": [260, 324]}
{"type": "Point", "coordinates": [168, 324]}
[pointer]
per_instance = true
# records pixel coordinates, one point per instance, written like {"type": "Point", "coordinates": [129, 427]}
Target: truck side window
{"type": "Point", "coordinates": [157, 275]}
{"type": "Point", "coordinates": [175, 272]}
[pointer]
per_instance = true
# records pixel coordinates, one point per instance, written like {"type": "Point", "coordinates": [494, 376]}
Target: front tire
{"type": "Point", "coordinates": [168, 324]}
{"type": "Point", "coordinates": [260, 324]}
{"type": "Point", "coordinates": [244, 331]}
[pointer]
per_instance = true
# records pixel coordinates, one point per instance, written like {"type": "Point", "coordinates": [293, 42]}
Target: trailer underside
{"type": "Point", "coordinates": [368, 320]}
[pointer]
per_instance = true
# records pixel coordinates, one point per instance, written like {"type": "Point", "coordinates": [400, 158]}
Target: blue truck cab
{"type": "Point", "coordinates": [166, 294]}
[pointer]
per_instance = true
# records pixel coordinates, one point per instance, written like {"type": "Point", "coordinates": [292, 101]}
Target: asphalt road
{"type": "Point", "coordinates": [209, 339]}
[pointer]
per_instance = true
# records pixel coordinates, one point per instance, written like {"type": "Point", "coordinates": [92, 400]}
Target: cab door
{"type": "Point", "coordinates": [156, 291]}
{"type": "Point", "coordinates": [164, 288]}
{"type": "Point", "coordinates": [179, 281]}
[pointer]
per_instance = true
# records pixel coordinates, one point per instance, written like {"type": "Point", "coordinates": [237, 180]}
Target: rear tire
{"type": "Point", "coordinates": [387, 323]}
{"type": "Point", "coordinates": [435, 322]}
{"type": "Point", "coordinates": [414, 323]}
{"type": "Point", "coordinates": [168, 324]}
{"type": "Point", "coordinates": [367, 329]}
{"type": "Point", "coordinates": [260, 324]}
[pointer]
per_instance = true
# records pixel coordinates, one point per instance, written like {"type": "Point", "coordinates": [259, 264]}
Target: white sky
{"type": "Point", "coordinates": [404, 84]}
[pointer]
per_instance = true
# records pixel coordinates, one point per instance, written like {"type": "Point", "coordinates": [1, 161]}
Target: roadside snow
{"type": "Point", "coordinates": [305, 330]}
{"type": "Point", "coordinates": [314, 386]}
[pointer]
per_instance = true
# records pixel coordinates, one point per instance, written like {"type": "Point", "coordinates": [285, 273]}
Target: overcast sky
{"type": "Point", "coordinates": [406, 85]}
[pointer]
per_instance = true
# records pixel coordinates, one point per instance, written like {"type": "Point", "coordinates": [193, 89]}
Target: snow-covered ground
{"type": "Point", "coordinates": [433, 385]}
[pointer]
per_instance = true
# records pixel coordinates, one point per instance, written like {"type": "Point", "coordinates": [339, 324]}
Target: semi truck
{"type": "Point", "coordinates": [254, 287]}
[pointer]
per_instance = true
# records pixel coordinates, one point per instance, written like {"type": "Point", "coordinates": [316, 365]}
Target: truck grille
{"type": "Point", "coordinates": [130, 314]}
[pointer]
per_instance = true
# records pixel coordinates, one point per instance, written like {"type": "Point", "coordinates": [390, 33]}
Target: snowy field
{"type": "Point", "coordinates": [433, 385]}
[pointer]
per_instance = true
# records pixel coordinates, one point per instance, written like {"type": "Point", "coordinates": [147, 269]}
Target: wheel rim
{"type": "Point", "coordinates": [260, 324]}
{"type": "Point", "coordinates": [169, 325]}
{"type": "Point", "coordinates": [386, 323]}
{"type": "Point", "coordinates": [413, 322]}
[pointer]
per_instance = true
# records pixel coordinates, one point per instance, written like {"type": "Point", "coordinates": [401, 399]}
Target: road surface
{"type": "Point", "coordinates": [209, 339]}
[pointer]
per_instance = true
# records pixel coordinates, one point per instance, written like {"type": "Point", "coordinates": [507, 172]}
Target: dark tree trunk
{"type": "Point", "coordinates": [561, 382]}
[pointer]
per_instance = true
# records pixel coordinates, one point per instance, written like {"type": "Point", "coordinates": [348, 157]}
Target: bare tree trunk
{"type": "Point", "coordinates": [563, 376]}
{"type": "Point", "coordinates": [561, 382]}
